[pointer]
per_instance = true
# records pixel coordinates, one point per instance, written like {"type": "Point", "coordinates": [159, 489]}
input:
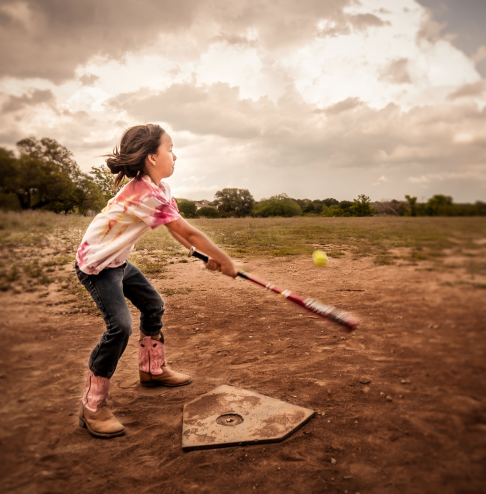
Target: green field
{"type": "Point", "coordinates": [35, 244]}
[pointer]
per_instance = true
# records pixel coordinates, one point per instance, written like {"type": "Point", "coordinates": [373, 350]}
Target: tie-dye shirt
{"type": "Point", "coordinates": [110, 238]}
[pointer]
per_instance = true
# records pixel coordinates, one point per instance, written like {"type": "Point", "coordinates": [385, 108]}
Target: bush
{"type": "Point", "coordinates": [234, 202]}
{"type": "Point", "coordinates": [280, 205]}
{"type": "Point", "coordinates": [439, 205]}
{"type": "Point", "coordinates": [362, 206]}
{"type": "Point", "coordinates": [207, 212]}
{"type": "Point", "coordinates": [188, 208]}
{"type": "Point", "coordinates": [9, 202]}
{"type": "Point", "coordinates": [330, 211]}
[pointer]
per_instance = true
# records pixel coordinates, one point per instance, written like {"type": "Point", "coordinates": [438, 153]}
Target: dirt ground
{"type": "Point", "coordinates": [400, 404]}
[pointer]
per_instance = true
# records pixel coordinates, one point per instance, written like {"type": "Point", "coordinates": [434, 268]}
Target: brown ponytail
{"type": "Point", "coordinates": [136, 144]}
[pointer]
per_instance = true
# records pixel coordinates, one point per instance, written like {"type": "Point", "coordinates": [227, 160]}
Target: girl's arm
{"type": "Point", "coordinates": [189, 236]}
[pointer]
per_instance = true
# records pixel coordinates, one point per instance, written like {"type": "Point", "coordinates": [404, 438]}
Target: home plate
{"type": "Point", "coordinates": [229, 416]}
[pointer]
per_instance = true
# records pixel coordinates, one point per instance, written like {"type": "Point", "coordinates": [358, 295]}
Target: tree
{"type": "Point", "coordinates": [45, 176]}
{"type": "Point", "coordinates": [50, 150]}
{"type": "Point", "coordinates": [89, 197]}
{"type": "Point", "coordinates": [346, 207]}
{"type": "Point", "coordinates": [207, 212]}
{"type": "Point", "coordinates": [305, 204]}
{"type": "Point", "coordinates": [279, 205]}
{"type": "Point", "coordinates": [438, 205]}
{"type": "Point", "coordinates": [331, 202]}
{"type": "Point", "coordinates": [480, 208]}
{"type": "Point", "coordinates": [104, 179]}
{"type": "Point", "coordinates": [39, 183]}
{"type": "Point", "coordinates": [333, 210]}
{"type": "Point", "coordinates": [234, 202]}
{"type": "Point", "coordinates": [8, 170]}
{"type": "Point", "coordinates": [412, 202]}
{"type": "Point", "coordinates": [362, 206]}
{"type": "Point", "coordinates": [188, 208]}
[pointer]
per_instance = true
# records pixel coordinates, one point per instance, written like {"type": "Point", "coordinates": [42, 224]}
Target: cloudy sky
{"type": "Point", "coordinates": [315, 98]}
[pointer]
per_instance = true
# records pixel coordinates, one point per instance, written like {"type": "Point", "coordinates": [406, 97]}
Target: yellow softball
{"type": "Point", "coordinates": [320, 259]}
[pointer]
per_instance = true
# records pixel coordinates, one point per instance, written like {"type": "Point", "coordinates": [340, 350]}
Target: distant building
{"type": "Point", "coordinates": [204, 204]}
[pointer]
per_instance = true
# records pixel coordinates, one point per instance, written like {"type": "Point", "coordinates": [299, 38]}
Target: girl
{"type": "Point", "coordinates": [145, 155]}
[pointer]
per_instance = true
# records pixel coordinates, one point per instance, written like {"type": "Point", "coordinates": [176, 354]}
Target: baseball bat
{"type": "Point", "coordinates": [346, 320]}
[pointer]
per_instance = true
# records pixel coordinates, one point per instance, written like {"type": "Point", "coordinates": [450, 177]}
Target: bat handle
{"type": "Point", "coordinates": [195, 253]}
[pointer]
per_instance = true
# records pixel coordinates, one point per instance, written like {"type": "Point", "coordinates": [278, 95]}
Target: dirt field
{"type": "Point", "coordinates": [400, 404]}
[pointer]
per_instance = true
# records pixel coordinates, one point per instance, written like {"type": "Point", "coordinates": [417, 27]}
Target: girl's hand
{"type": "Point", "coordinates": [212, 265]}
{"type": "Point", "coordinates": [229, 269]}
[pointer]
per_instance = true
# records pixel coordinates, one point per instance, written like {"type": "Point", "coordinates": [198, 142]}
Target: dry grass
{"type": "Point", "coordinates": [357, 236]}
{"type": "Point", "coordinates": [34, 245]}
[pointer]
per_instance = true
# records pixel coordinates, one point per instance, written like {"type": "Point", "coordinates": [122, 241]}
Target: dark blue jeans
{"type": "Point", "coordinates": [109, 289]}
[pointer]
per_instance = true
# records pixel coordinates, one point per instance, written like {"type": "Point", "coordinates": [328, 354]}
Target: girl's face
{"type": "Point", "coordinates": [164, 160]}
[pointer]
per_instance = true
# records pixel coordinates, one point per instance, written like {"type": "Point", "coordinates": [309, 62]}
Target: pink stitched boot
{"type": "Point", "coordinates": [94, 413]}
{"type": "Point", "coordinates": [152, 368]}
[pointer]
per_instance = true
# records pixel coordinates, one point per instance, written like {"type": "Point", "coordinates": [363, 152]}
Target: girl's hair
{"type": "Point", "coordinates": [128, 160]}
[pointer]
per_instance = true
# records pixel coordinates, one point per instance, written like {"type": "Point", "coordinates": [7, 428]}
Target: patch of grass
{"type": "Point", "coordinates": [282, 252]}
{"type": "Point", "coordinates": [82, 299]}
{"type": "Point", "coordinates": [59, 260]}
{"type": "Point", "coordinates": [418, 256]}
{"type": "Point", "coordinates": [383, 260]}
{"type": "Point", "coordinates": [476, 267]}
{"type": "Point", "coordinates": [147, 266]}
{"type": "Point", "coordinates": [33, 269]}
{"type": "Point", "coordinates": [11, 274]}
{"type": "Point", "coordinates": [176, 291]}
{"type": "Point", "coordinates": [335, 253]}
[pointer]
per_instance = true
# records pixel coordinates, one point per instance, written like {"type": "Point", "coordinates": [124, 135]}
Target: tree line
{"type": "Point", "coordinates": [44, 175]}
{"type": "Point", "coordinates": [231, 202]}
{"type": "Point", "coordinates": [239, 203]}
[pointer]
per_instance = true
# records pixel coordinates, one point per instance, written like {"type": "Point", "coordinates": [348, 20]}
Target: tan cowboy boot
{"type": "Point", "coordinates": [151, 364]}
{"type": "Point", "coordinates": [94, 413]}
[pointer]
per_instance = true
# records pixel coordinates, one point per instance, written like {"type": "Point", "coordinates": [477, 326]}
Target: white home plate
{"type": "Point", "coordinates": [229, 416]}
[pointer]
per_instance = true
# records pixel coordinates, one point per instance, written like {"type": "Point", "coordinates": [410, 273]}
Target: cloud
{"type": "Point", "coordinates": [202, 110]}
{"type": "Point", "coordinates": [381, 180]}
{"type": "Point", "coordinates": [419, 180]}
{"type": "Point", "coordinates": [344, 24]}
{"type": "Point", "coordinates": [32, 98]}
{"type": "Point", "coordinates": [236, 39]}
{"type": "Point", "coordinates": [441, 177]}
{"type": "Point", "coordinates": [89, 79]}
{"type": "Point", "coordinates": [430, 30]}
{"type": "Point", "coordinates": [468, 91]}
{"type": "Point", "coordinates": [364, 21]}
{"type": "Point", "coordinates": [396, 72]}
{"type": "Point", "coordinates": [313, 98]}
{"type": "Point", "coordinates": [342, 106]}
{"type": "Point", "coordinates": [292, 131]}
{"type": "Point", "coordinates": [480, 54]}
{"type": "Point", "coordinates": [50, 39]}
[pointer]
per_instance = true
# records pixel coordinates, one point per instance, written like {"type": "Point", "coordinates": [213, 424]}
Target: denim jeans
{"type": "Point", "coordinates": [109, 289]}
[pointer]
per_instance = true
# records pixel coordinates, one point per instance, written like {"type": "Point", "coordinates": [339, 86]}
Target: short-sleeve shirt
{"type": "Point", "coordinates": [111, 236]}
